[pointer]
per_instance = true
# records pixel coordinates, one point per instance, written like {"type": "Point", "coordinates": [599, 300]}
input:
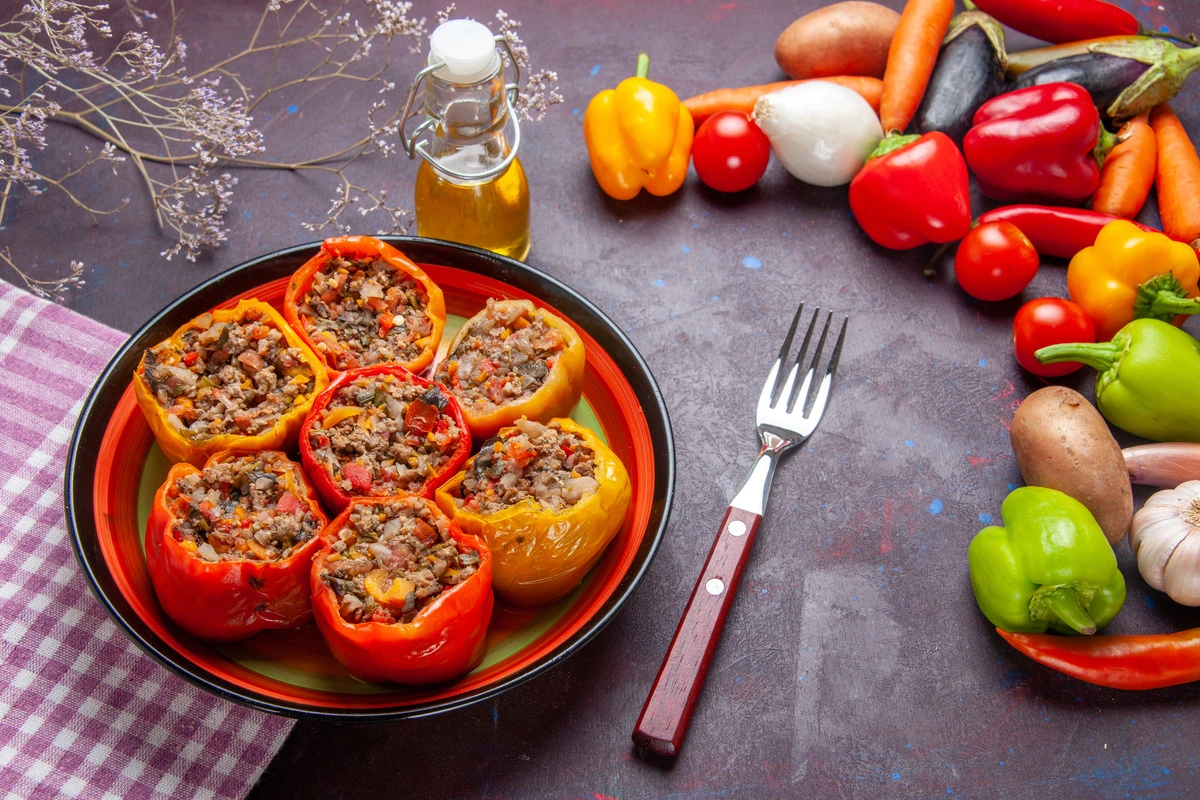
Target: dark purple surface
{"type": "Point", "coordinates": [854, 663]}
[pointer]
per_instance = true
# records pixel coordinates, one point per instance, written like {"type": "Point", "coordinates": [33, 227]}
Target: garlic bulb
{"type": "Point", "coordinates": [1165, 536]}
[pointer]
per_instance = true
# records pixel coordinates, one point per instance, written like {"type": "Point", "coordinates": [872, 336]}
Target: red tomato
{"type": "Point", "coordinates": [730, 152]}
{"type": "Point", "coordinates": [995, 261]}
{"type": "Point", "coordinates": [358, 475]}
{"type": "Point", "coordinates": [1046, 321]}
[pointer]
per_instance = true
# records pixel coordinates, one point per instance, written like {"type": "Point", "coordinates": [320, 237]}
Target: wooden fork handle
{"type": "Point", "coordinates": [664, 721]}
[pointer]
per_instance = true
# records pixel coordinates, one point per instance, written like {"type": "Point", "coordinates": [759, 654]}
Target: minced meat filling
{"type": "Point", "coordinates": [505, 356]}
{"type": "Point", "coordinates": [392, 559]}
{"type": "Point", "coordinates": [384, 435]}
{"type": "Point", "coordinates": [251, 507]}
{"type": "Point", "coordinates": [543, 462]}
{"type": "Point", "coordinates": [360, 312]}
{"type": "Point", "coordinates": [229, 377]}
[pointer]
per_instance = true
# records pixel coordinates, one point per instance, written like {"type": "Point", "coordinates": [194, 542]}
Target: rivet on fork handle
{"type": "Point", "coordinates": [664, 721]}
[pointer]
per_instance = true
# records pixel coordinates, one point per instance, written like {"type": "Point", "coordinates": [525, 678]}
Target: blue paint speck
{"type": "Point", "coordinates": [983, 362]}
{"type": "Point", "coordinates": [595, 70]}
{"type": "Point", "coordinates": [909, 443]}
{"type": "Point", "coordinates": [1150, 604]}
{"type": "Point", "coordinates": [1166, 770]}
{"type": "Point", "coordinates": [247, 215]}
{"type": "Point", "coordinates": [895, 776]}
{"type": "Point", "coordinates": [659, 282]}
{"type": "Point", "coordinates": [750, 262]}
{"type": "Point", "coordinates": [1012, 487]}
{"type": "Point", "coordinates": [293, 109]}
{"type": "Point", "coordinates": [575, 111]}
{"type": "Point", "coordinates": [716, 297]}
{"type": "Point", "coordinates": [495, 714]}
{"type": "Point", "coordinates": [949, 790]}
{"type": "Point", "coordinates": [986, 519]}
{"type": "Point", "coordinates": [1165, 29]}
{"type": "Point", "coordinates": [686, 249]}
{"type": "Point", "coordinates": [935, 507]}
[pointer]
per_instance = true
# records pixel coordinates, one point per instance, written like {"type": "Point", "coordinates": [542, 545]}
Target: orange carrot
{"type": "Point", "coordinates": [1178, 177]}
{"type": "Point", "coordinates": [911, 57]}
{"type": "Point", "coordinates": [1128, 171]}
{"type": "Point", "coordinates": [703, 106]}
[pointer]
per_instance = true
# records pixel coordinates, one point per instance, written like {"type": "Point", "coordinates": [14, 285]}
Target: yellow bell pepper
{"type": "Point", "coordinates": [1130, 273]}
{"type": "Point", "coordinates": [540, 555]}
{"type": "Point", "coordinates": [638, 136]}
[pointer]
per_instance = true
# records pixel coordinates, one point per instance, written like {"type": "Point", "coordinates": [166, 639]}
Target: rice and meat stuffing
{"type": "Point", "coordinates": [360, 312]}
{"type": "Point", "coordinates": [392, 558]}
{"type": "Point", "coordinates": [244, 508]}
{"type": "Point", "coordinates": [554, 467]}
{"type": "Point", "coordinates": [234, 378]}
{"type": "Point", "coordinates": [383, 435]}
{"type": "Point", "coordinates": [505, 356]}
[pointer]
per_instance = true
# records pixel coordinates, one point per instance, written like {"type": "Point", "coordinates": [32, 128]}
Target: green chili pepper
{"type": "Point", "coordinates": [1048, 567]}
{"type": "Point", "coordinates": [1149, 379]}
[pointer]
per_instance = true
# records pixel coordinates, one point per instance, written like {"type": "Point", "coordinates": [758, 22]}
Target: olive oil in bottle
{"type": "Point", "coordinates": [470, 185]}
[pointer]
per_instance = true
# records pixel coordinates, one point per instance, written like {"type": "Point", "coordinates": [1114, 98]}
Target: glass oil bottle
{"type": "Point", "coordinates": [470, 185]}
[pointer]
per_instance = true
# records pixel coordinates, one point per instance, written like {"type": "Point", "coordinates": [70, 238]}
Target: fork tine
{"type": "Point", "coordinates": [767, 396]}
{"type": "Point", "coordinates": [802, 396]}
{"type": "Point", "coordinates": [837, 349]}
{"type": "Point", "coordinates": [786, 393]}
{"type": "Point", "coordinates": [827, 382]}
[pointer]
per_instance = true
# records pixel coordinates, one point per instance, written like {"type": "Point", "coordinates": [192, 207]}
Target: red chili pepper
{"type": "Point", "coordinates": [1120, 662]}
{"type": "Point", "coordinates": [913, 191]}
{"type": "Point", "coordinates": [1061, 20]}
{"type": "Point", "coordinates": [230, 599]}
{"type": "Point", "coordinates": [446, 639]}
{"type": "Point", "coordinates": [1039, 142]}
{"type": "Point", "coordinates": [1055, 230]}
{"type": "Point", "coordinates": [362, 482]}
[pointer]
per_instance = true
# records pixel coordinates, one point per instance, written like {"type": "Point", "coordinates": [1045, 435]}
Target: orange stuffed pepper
{"type": "Point", "coordinates": [360, 302]}
{"type": "Point", "coordinates": [232, 379]}
{"type": "Point", "coordinates": [513, 360]}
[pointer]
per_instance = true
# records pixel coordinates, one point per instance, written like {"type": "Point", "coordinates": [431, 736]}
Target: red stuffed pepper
{"type": "Point", "coordinates": [403, 595]}
{"type": "Point", "coordinates": [229, 548]}
{"type": "Point", "coordinates": [1040, 142]}
{"type": "Point", "coordinates": [913, 191]}
{"type": "Point", "coordinates": [382, 431]}
{"type": "Point", "coordinates": [359, 301]}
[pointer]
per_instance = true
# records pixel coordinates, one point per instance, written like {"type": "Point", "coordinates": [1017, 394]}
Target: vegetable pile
{"type": "Point", "coordinates": [1072, 137]}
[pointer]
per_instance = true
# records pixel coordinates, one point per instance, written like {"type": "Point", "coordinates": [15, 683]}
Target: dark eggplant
{"type": "Point", "coordinates": [1124, 78]}
{"type": "Point", "coordinates": [969, 72]}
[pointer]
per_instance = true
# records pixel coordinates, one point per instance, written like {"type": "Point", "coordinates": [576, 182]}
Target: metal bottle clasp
{"type": "Point", "coordinates": [416, 148]}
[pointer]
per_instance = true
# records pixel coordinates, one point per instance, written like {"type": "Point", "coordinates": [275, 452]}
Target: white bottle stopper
{"type": "Point", "coordinates": [467, 48]}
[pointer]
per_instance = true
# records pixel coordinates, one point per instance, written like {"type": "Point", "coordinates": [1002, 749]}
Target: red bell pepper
{"type": "Point", "coordinates": [444, 639]}
{"type": "Point", "coordinates": [1119, 662]}
{"type": "Point", "coordinates": [1061, 20]}
{"type": "Point", "coordinates": [436, 430]}
{"type": "Point", "coordinates": [913, 191]}
{"type": "Point", "coordinates": [1055, 230]}
{"type": "Point", "coordinates": [251, 587]}
{"type": "Point", "coordinates": [1039, 142]}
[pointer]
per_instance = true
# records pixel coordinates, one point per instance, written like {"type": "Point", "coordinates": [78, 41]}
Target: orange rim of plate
{"type": "Point", "coordinates": [121, 455]}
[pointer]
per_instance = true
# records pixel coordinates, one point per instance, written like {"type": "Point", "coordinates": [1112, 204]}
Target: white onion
{"type": "Point", "coordinates": [821, 132]}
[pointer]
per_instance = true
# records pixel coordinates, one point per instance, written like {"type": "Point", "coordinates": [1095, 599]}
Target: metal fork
{"type": "Point", "coordinates": [783, 422]}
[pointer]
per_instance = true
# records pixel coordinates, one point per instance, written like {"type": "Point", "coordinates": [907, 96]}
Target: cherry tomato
{"type": "Point", "coordinates": [995, 261]}
{"type": "Point", "coordinates": [730, 152]}
{"type": "Point", "coordinates": [1046, 321]}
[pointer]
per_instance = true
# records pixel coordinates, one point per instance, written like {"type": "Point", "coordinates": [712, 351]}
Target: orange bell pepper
{"type": "Point", "coordinates": [335, 355]}
{"type": "Point", "coordinates": [175, 438]}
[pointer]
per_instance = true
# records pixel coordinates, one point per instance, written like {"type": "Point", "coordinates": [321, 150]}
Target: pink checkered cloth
{"type": "Point", "coordinates": [83, 712]}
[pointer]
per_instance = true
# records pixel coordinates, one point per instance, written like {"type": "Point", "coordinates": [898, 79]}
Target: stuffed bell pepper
{"type": "Point", "coordinates": [232, 379]}
{"type": "Point", "coordinates": [402, 595]}
{"type": "Point", "coordinates": [359, 301]}
{"type": "Point", "coordinates": [229, 548]}
{"type": "Point", "coordinates": [547, 499]}
{"type": "Point", "coordinates": [513, 360]}
{"type": "Point", "coordinates": [382, 431]}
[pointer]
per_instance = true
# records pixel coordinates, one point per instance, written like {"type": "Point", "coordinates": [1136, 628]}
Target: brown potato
{"type": "Point", "coordinates": [1061, 442]}
{"type": "Point", "coordinates": [850, 38]}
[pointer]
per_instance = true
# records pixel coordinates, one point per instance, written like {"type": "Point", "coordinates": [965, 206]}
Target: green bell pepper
{"type": "Point", "coordinates": [1149, 379]}
{"type": "Point", "coordinates": [1049, 566]}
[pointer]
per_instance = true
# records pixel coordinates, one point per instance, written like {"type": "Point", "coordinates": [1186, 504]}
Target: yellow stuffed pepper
{"type": "Point", "coordinates": [232, 379]}
{"type": "Point", "coordinates": [547, 499]}
{"type": "Point", "coordinates": [638, 136]}
{"type": "Point", "coordinates": [513, 360]}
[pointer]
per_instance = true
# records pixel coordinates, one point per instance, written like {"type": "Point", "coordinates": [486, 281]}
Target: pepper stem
{"type": "Point", "coordinates": [1169, 305]}
{"type": "Point", "coordinates": [643, 65]}
{"type": "Point", "coordinates": [1062, 604]}
{"type": "Point", "coordinates": [1100, 356]}
{"type": "Point", "coordinates": [892, 143]}
{"type": "Point", "coordinates": [1163, 297]}
{"type": "Point", "coordinates": [1105, 142]}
